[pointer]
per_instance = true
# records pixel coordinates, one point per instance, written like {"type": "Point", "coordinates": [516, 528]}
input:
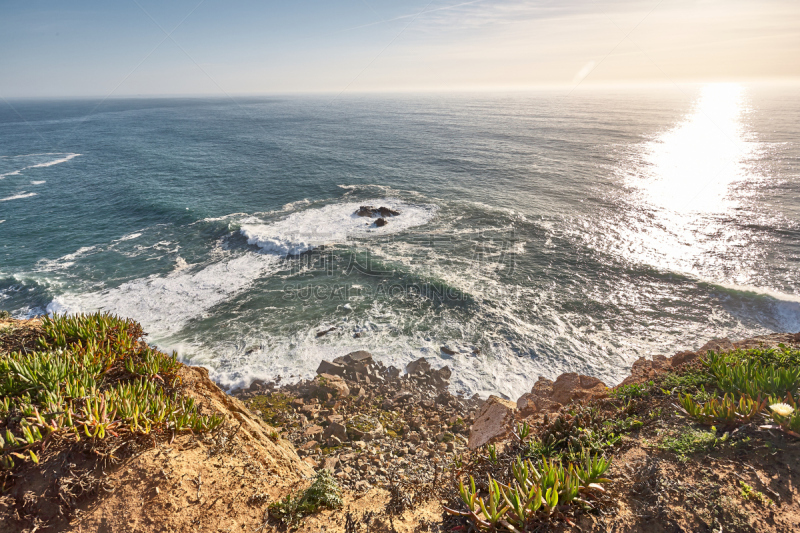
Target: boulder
{"type": "Point", "coordinates": [381, 222]}
{"type": "Point", "coordinates": [526, 405]}
{"type": "Point", "coordinates": [419, 366]}
{"type": "Point", "coordinates": [335, 430]}
{"type": "Point", "coordinates": [325, 384]}
{"type": "Point", "coordinates": [365, 211]}
{"type": "Point", "coordinates": [447, 350]}
{"type": "Point", "coordinates": [333, 369]}
{"type": "Point", "coordinates": [644, 370]}
{"type": "Point", "coordinates": [571, 387]}
{"type": "Point", "coordinates": [364, 427]}
{"type": "Point", "coordinates": [494, 421]}
{"type": "Point", "coordinates": [361, 356]}
{"type": "Point", "coordinates": [717, 345]}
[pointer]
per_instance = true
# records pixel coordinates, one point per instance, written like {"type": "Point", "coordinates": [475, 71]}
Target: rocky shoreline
{"type": "Point", "coordinates": [373, 425]}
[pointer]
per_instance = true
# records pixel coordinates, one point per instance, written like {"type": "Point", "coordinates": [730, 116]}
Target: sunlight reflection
{"type": "Point", "coordinates": [692, 166]}
{"type": "Point", "coordinates": [686, 182]}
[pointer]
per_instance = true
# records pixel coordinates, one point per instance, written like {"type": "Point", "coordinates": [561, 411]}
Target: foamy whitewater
{"type": "Point", "coordinates": [538, 233]}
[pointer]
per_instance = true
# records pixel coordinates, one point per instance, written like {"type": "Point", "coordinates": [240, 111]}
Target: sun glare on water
{"type": "Point", "coordinates": [691, 167]}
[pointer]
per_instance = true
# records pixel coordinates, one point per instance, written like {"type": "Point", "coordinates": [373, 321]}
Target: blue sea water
{"type": "Point", "coordinates": [538, 232]}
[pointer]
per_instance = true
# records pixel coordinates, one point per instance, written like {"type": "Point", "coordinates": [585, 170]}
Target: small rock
{"type": "Point", "coordinates": [381, 222]}
{"type": "Point", "coordinates": [326, 331]}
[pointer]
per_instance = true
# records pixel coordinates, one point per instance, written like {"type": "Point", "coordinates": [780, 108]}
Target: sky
{"type": "Point", "coordinates": [209, 47]}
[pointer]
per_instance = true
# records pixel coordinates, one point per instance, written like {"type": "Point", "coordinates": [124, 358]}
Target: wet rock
{"type": "Point", "coordinates": [447, 350]}
{"type": "Point", "coordinates": [326, 331]}
{"type": "Point", "coordinates": [386, 212]}
{"type": "Point", "coordinates": [419, 366]}
{"type": "Point", "coordinates": [381, 222]}
{"type": "Point", "coordinates": [369, 211]}
{"type": "Point", "coordinates": [494, 422]}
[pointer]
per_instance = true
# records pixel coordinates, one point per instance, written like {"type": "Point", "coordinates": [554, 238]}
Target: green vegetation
{"type": "Point", "coordinates": [92, 378]}
{"type": "Point", "coordinates": [748, 381]}
{"type": "Point", "coordinates": [634, 390]}
{"type": "Point", "coordinates": [749, 493]}
{"type": "Point", "coordinates": [582, 428]}
{"type": "Point", "coordinates": [726, 411]}
{"type": "Point", "coordinates": [275, 408]}
{"type": "Point", "coordinates": [532, 494]}
{"type": "Point", "coordinates": [323, 493]}
{"type": "Point", "coordinates": [755, 373]}
{"type": "Point", "coordinates": [692, 441]}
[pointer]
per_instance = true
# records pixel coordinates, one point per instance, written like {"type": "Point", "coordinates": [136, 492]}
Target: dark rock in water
{"type": "Point", "coordinates": [418, 366]}
{"type": "Point", "coordinates": [447, 350]}
{"type": "Point", "coordinates": [381, 222]}
{"type": "Point", "coordinates": [386, 212]}
{"type": "Point", "coordinates": [325, 331]}
{"type": "Point", "coordinates": [382, 211]}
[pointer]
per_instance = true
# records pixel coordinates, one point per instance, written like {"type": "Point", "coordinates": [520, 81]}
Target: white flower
{"type": "Point", "coordinates": [782, 409]}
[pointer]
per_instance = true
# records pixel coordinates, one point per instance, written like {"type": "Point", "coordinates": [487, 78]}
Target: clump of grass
{"type": "Point", "coordinates": [634, 390]}
{"type": "Point", "coordinates": [324, 493]}
{"type": "Point", "coordinates": [691, 441]}
{"type": "Point", "coordinates": [691, 381]}
{"type": "Point", "coordinates": [532, 494]}
{"type": "Point", "coordinates": [749, 493]}
{"type": "Point", "coordinates": [64, 390]}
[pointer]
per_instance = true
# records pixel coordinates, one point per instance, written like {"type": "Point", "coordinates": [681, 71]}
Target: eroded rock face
{"type": "Point", "coordinates": [571, 387]}
{"type": "Point", "coordinates": [494, 422]}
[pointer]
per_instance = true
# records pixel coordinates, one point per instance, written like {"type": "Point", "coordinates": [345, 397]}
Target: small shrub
{"type": "Point", "coordinates": [324, 493]}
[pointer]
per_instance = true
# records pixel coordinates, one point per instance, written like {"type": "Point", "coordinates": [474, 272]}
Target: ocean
{"type": "Point", "coordinates": [539, 232]}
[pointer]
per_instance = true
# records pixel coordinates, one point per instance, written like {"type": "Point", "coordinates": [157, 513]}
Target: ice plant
{"type": "Point", "coordinates": [782, 409]}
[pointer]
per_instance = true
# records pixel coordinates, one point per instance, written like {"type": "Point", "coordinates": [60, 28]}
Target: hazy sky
{"type": "Point", "coordinates": [118, 48]}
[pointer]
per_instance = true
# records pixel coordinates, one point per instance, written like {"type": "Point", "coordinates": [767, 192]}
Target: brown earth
{"type": "Point", "coordinates": [400, 477]}
{"type": "Point", "coordinates": [186, 483]}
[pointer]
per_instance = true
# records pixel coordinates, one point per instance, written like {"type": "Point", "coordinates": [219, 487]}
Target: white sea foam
{"type": "Point", "coordinates": [164, 304]}
{"type": "Point", "coordinates": [55, 162]}
{"type": "Point", "coordinates": [130, 236]}
{"type": "Point", "coordinates": [18, 196]}
{"type": "Point", "coordinates": [42, 182]}
{"type": "Point", "coordinates": [66, 157]}
{"type": "Point", "coordinates": [337, 223]}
